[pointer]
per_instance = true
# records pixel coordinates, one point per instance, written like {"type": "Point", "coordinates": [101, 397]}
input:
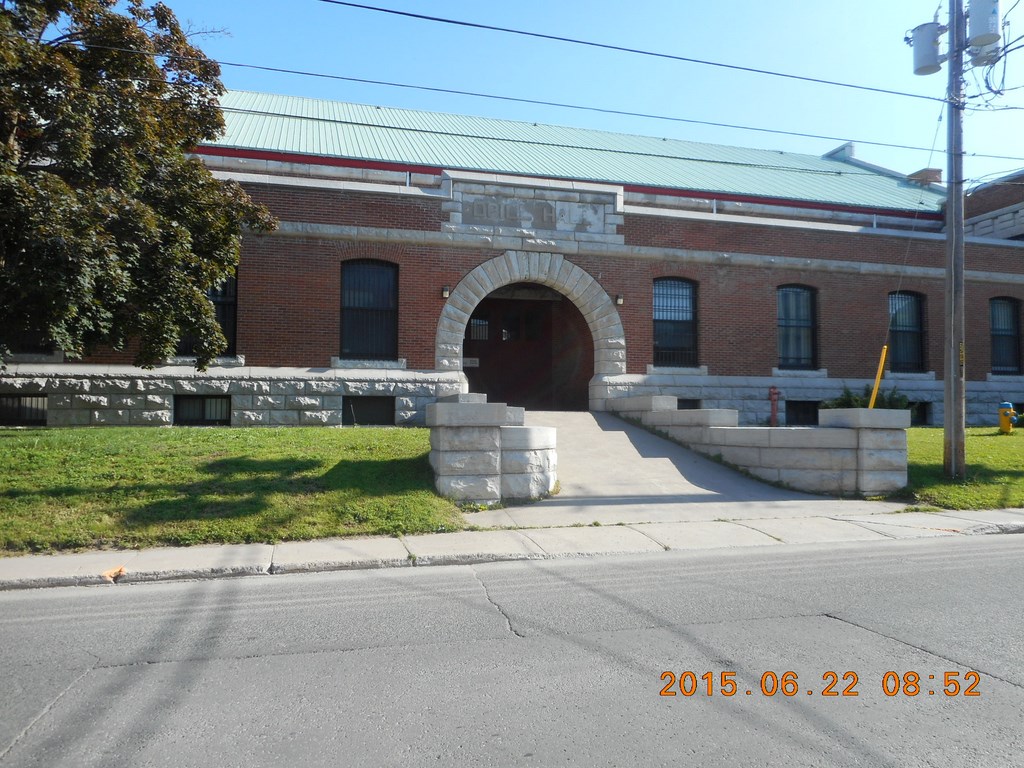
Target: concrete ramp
{"type": "Point", "coordinates": [611, 471]}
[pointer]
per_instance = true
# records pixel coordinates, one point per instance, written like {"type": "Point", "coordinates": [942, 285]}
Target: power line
{"type": "Point", "coordinates": [638, 51]}
{"type": "Point", "coordinates": [560, 105]}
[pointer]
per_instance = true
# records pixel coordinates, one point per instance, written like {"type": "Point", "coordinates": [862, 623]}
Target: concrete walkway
{"type": "Point", "coordinates": [623, 491]}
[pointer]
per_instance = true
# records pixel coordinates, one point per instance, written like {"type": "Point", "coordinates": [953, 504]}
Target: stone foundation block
{"type": "Point", "coordinates": [68, 418]}
{"type": "Point", "coordinates": [303, 403]}
{"type": "Point", "coordinates": [153, 386]}
{"type": "Point", "coordinates": [201, 386]}
{"type": "Point", "coordinates": [320, 418]}
{"type": "Point", "coordinates": [111, 418]}
{"type": "Point", "coordinates": [284, 418]}
{"type": "Point", "coordinates": [409, 419]}
{"type": "Point", "coordinates": [481, 489]}
{"type": "Point", "coordinates": [241, 402]}
{"type": "Point", "coordinates": [797, 458]}
{"type": "Point", "coordinates": [151, 418]}
{"type": "Point", "coordinates": [249, 418]}
{"type": "Point", "coordinates": [466, 462]}
{"type": "Point", "coordinates": [268, 402]}
{"type": "Point", "coordinates": [249, 388]}
{"type": "Point", "coordinates": [707, 417]}
{"type": "Point", "coordinates": [864, 418]}
{"type": "Point", "coordinates": [527, 462]}
{"type": "Point", "coordinates": [90, 401]}
{"type": "Point", "coordinates": [527, 486]}
{"type": "Point", "coordinates": [811, 437]}
{"type": "Point", "coordinates": [527, 438]}
{"type": "Point", "coordinates": [332, 402]}
{"type": "Point", "coordinates": [57, 402]}
{"type": "Point", "coordinates": [112, 386]}
{"type": "Point", "coordinates": [467, 414]}
{"type": "Point", "coordinates": [287, 387]}
{"type": "Point", "coordinates": [465, 439]}
{"type": "Point", "coordinates": [873, 483]}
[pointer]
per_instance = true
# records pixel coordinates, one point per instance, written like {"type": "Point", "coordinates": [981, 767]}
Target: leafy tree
{"type": "Point", "coordinates": [109, 232]}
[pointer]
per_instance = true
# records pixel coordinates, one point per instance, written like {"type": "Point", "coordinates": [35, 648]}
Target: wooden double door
{"type": "Point", "coordinates": [529, 347]}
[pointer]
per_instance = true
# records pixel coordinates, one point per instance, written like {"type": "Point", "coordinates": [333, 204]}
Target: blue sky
{"type": "Point", "coordinates": [854, 42]}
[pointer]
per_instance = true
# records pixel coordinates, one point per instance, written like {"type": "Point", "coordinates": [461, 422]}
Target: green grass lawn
{"type": "Point", "coordinates": [120, 487]}
{"type": "Point", "coordinates": [75, 488]}
{"type": "Point", "coordinates": [995, 470]}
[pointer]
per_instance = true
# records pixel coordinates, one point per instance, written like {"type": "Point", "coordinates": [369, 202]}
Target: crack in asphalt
{"type": "Point", "coordinates": [498, 608]}
{"type": "Point", "coordinates": [922, 649]}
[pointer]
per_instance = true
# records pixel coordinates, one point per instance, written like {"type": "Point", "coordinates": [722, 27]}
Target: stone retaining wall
{"type": "Point", "coordinates": [483, 454]}
{"type": "Point", "coordinates": [122, 395]}
{"type": "Point", "coordinates": [853, 451]}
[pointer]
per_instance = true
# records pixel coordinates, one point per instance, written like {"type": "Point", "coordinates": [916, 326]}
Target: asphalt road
{"type": "Point", "coordinates": [534, 663]}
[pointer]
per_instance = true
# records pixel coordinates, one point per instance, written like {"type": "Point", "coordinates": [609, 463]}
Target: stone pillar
{"type": "Point", "coordinates": [465, 448]}
{"type": "Point", "coordinates": [528, 462]}
{"type": "Point", "coordinates": [481, 453]}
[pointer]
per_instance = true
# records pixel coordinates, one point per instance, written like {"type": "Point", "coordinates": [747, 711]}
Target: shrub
{"type": "Point", "coordinates": [892, 399]}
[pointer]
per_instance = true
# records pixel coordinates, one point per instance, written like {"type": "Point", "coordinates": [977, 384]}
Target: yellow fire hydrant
{"type": "Point", "coordinates": [1007, 418]}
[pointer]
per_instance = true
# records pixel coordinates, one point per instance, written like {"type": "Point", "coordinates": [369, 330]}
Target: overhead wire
{"type": "Point", "coordinates": [560, 105]}
{"type": "Point", "coordinates": [625, 49]}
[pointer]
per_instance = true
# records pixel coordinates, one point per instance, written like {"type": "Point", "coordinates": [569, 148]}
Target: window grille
{"type": "Point", "coordinates": [1005, 320]}
{"type": "Point", "coordinates": [23, 410]}
{"type": "Point", "coordinates": [797, 327]}
{"type": "Point", "coordinates": [906, 333]}
{"type": "Point", "coordinates": [202, 410]}
{"type": "Point", "coordinates": [675, 322]}
{"type": "Point", "coordinates": [369, 311]}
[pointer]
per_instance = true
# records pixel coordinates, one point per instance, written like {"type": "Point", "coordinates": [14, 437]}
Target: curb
{"type": "Point", "coordinates": [326, 566]}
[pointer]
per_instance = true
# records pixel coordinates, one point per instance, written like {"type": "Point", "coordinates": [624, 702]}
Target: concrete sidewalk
{"type": "Point", "coordinates": [623, 491]}
{"type": "Point", "coordinates": [489, 545]}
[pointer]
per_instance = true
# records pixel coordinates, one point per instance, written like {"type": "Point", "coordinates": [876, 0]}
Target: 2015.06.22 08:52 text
{"type": "Point", "coordinates": [892, 684]}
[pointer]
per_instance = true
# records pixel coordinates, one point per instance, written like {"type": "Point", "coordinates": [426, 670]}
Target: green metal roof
{"type": "Point", "coordinates": [260, 121]}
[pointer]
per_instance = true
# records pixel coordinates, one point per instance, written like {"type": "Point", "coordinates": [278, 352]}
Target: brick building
{"type": "Point", "coordinates": [424, 254]}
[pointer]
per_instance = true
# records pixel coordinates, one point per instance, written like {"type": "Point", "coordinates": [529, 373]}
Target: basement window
{"type": "Point", "coordinates": [687, 404]}
{"type": "Point", "coordinates": [23, 410]}
{"type": "Point", "coordinates": [802, 413]}
{"type": "Point", "coordinates": [367, 411]}
{"type": "Point", "coordinates": [202, 410]}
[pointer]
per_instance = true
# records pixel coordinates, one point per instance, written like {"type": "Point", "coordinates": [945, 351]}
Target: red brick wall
{"type": "Point", "coordinates": [289, 288]}
{"type": "Point", "coordinates": [1000, 194]}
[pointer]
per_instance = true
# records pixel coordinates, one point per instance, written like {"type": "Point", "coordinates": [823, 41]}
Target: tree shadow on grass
{"type": "Point", "coordinates": [235, 487]}
{"type": "Point", "coordinates": [231, 499]}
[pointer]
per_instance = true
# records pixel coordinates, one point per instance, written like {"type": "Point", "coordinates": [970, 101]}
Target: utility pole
{"type": "Point", "coordinates": [954, 432]}
{"type": "Point", "coordinates": [982, 40]}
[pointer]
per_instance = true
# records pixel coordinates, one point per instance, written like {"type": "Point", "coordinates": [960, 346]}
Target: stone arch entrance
{"type": "Point", "coordinates": [551, 270]}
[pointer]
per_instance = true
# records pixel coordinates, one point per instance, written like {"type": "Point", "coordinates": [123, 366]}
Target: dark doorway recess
{"type": "Point", "coordinates": [528, 345]}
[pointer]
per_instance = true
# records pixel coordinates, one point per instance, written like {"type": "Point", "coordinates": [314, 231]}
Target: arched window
{"type": "Point", "coordinates": [906, 332]}
{"type": "Point", "coordinates": [797, 321]}
{"type": "Point", "coordinates": [1005, 323]}
{"type": "Point", "coordinates": [675, 322]}
{"type": "Point", "coordinates": [369, 310]}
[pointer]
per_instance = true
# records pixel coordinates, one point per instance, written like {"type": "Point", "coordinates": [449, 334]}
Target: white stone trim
{"type": "Point", "coordinates": [798, 373]}
{"type": "Point", "coordinates": [900, 376]}
{"type": "Point", "coordinates": [236, 361]}
{"type": "Point", "coordinates": [725, 218]}
{"type": "Point", "coordinates": [552, 270]}
{"type": "Point", "coordinates": [330, 232]}
{"type": "Point", "coordinates": [660, 370]}
{"type": "Point", "coordinates": [399, 364]}
{"type": "Point", "coordinates": [337, 185]}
